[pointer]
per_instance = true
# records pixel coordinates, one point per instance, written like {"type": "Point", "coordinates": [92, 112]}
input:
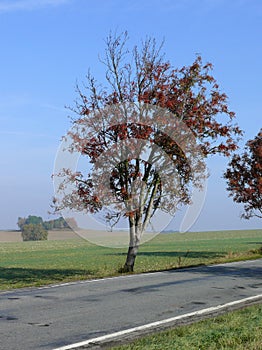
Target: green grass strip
{"type": "Point", "coordinates": [238, 330]}
{"type": "Point", "coordinates": [25, 264]}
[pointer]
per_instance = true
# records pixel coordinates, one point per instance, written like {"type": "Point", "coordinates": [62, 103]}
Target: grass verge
{"type": "Point", "coordinates": [228, 332]}
{"type": "Point", "coordinates": [25, 264]}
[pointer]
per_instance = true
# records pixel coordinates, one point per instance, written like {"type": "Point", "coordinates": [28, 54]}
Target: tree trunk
{"type": "Point", "coordinates": [130, 259]}
{"type": "Point", "coordinates": [135, 234]}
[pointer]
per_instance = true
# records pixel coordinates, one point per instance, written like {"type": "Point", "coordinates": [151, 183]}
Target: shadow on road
{"type": "Point", "coordinates": [201, 273]}
{"type": "Point", "coordinates": [232, 271]}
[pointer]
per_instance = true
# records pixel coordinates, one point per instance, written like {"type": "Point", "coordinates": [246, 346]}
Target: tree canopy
{"type": "Point", "coordinates": [59, 223]}
{"type": "Point", "coordinates": [34, 232]}
{"type": "Point", "coordinates": [146, 135]}
{"type": "Point", "coordinates": [244, 178]}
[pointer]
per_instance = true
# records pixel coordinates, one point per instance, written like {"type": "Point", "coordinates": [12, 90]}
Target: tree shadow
{"type": "Point", "coordinates": [200, 274]}
{"type": "Point", "coordinates": [188, 254]}
{"type": "Point", "coordinates": [235, 269]}
{"type": "Point", "coordinates": [175, 254]}
{"type": "Point", "coordinates": [26, 276]}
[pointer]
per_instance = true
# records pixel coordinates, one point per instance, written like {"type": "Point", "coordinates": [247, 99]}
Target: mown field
{"type": "Point", "coordinates": [24, 264]}
{"type": "Point", "coordinates": [228, 332]}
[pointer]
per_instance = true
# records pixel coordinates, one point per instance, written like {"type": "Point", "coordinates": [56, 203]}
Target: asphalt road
{"type": "Point", "coordinates": [50, 317]}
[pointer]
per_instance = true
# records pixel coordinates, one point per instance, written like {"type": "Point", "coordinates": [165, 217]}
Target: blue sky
{"type": "Point", "coordinates": [47, 45]}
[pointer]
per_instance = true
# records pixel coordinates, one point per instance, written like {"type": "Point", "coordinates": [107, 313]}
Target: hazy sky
{"type": "Point", "coordinates": [47, 45]}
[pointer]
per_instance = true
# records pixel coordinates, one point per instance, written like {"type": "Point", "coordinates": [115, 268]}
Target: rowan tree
{"type": "Point", "coordinates": [244, 178]}
{"type": "Point", "coordinates": [145, 97]}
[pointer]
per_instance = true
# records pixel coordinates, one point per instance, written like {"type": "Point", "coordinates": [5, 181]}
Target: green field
{"type": "Point", "coordinates": [38, 263]}
{"type": "Point", "coordinates": [228, 332]}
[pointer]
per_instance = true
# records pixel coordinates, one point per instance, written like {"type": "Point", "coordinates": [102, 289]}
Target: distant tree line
{"type": "Point", "coordinates": [34, 228]}
{"type": "Point", "coordinates": [55, 224]}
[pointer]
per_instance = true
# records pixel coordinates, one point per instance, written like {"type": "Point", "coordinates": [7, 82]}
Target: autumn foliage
{"type": "Point", "coordinates": [244, 178]}
{"type": "Point", "coordinates": [185, 100]}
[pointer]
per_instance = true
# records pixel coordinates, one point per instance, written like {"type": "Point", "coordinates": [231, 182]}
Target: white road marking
{"type": "Point", "coordinates": [158, 323]}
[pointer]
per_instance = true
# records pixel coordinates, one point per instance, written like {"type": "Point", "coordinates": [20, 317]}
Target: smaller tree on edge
{"type": "Point", "coordinates": [244, 178]}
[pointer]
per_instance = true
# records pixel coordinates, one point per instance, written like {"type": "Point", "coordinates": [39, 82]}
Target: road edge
{"type": "Point", "coordinates": [129, 275]}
